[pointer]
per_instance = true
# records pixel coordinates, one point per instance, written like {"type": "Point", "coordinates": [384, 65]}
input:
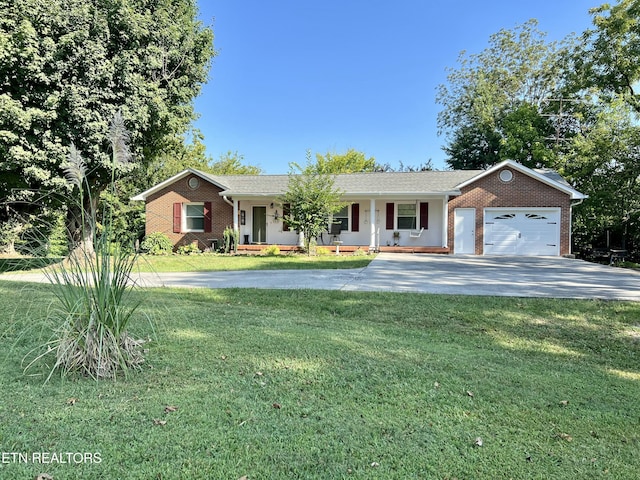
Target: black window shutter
{"type": "Point", "coordinates": [355, 217]}
{"type": "Point", "coordinates": [424, 215]}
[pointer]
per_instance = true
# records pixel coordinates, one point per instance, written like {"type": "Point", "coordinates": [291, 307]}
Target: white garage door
{"type": "Point", "coordinates": [522, 232]}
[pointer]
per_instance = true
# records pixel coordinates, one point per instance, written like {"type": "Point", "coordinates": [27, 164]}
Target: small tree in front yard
{"type": "Point", "coordinates": [311, 198]}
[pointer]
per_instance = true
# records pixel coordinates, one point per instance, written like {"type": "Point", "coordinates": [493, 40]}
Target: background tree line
{"type": "Point", "coordinates": [571, 106]}
{"type": "Point", "coordinates": [67, 67]}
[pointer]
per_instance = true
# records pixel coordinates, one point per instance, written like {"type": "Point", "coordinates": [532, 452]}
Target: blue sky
{"type": "Point", "coordinates": [329, 75]}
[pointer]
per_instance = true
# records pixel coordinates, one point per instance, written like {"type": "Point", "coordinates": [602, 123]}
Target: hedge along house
{"type": "Point", "coordinates": [508, 209]}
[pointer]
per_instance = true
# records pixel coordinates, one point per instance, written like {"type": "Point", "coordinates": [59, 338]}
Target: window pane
{"type": "Point", "coordinates": [406, 210]}
{"type": "Point", "coordinates": [194, 217]}
{"type": "Point", "coordinates": [406, 216]}
{"type": "Point", "coordinates": [342, 217]}
{"type": "Point", "coordinates": [195, 223]}
{"type": "Point", "coordinates": [195, 210]}
{"type": "Point", "coordinates": [406, 223]}
{"type": "Point", "coordinates": [343, 212]}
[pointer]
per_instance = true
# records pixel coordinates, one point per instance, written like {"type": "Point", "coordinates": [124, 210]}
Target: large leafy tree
{"type": "Point", "coordinates": [607, 58]}
{"type": "Point", "coordinates": [492, 91]}
{"type": "Point", "coordinates": [604, 162]}
{"type": "Point", "coordinates": [66, 68]}
{"type": "Point", "coordinates": [602, 158]}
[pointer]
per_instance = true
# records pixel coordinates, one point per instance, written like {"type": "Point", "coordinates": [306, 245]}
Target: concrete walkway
{"type": "Point", "coordinates": [424, 273]}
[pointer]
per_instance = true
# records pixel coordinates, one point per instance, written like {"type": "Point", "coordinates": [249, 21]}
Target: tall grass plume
{"type": "Point", "coordinates": [93, 287]}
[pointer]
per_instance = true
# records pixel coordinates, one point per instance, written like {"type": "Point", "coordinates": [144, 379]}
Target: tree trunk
{"type": "Point", "coordinates": [81, 227]}
{"type": "Point", "coordinates": [9, 248]}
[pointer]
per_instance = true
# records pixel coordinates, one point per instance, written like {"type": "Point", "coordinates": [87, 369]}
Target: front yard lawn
{"type": "Point", "coordinates": [268, 384]}
{"type": "Point", "coordinates": [207, 262]}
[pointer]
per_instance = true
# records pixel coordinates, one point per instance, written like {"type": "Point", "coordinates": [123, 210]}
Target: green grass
{"type": "Point", "coordinates": [15, 264]}
{"type": "Point", "coordinates": [207, 262]}
{"type": "Point", "coordinates": [201, 263]}
{"type": "Point", "coordinates": [328, 384]}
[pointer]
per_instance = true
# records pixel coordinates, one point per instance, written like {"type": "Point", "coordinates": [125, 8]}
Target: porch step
{"type": "Point", "coordinates": [249, 248]}
{"type": "Point", "coordinates": [407, 249]}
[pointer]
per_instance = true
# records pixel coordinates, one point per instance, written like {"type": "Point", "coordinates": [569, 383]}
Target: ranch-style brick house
{"type": "Point", "coordinates": [508, 209]}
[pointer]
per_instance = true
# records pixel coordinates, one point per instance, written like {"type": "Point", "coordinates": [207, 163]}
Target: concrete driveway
{"type": "Point", "coordinates": [499, 276]}
{"type": "Point", "coordinates": [447, 274]}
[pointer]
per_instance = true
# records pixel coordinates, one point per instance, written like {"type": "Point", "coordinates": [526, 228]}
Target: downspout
{"type": "Point", "coordinates": [445, 214]}
{"type": "Point", "coordinates": [234, 204]}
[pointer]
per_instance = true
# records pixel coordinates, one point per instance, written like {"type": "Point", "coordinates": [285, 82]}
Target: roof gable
{"type": "Point", "coordinates": [217, 181]}
{"type": "Point", "coordinates": [546, 176]}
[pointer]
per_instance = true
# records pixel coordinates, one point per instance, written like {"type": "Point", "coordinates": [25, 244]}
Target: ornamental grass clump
{"type": "Point", "coordinates": [93, 287]}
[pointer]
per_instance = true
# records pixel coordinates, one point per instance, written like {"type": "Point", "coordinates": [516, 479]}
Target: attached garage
{"type": "Point", "coordinates": [531, 232]}
{"type": "Point", "coordinates": [510, 209]}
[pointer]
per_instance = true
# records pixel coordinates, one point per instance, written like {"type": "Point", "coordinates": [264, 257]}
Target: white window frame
{"type": "Point", "coordinates": [333, 218]}
{"type": "Point", "coordinates": [185, 217]}
{"type": "Point", "coordinates": [415, 212]}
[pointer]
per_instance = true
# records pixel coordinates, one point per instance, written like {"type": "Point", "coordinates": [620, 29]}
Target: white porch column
{"type": "Point", "coordinates": [372, 224]}
{"type": "Point", "coordinates": [445, 216]}
{"type": "Point", "coordinates": [236, 225]}
{"type": "Point", "coordinates": [300, 239]}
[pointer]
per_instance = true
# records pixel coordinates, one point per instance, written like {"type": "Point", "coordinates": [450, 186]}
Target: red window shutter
{"type": "Point", "coordinates": [355, 217]}
{"type": "Point", "coordinates": [286, 209]}
{"type": "Point", "coordinates": [424, 215]}
{"type": "Point", "coordinates": [207, 217]}
{"type": "Point", "coordinates": [177, 217]}
{"type": "Point", "coordinates": [390, 210]}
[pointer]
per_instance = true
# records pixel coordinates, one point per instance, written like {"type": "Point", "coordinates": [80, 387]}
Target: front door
{"type": "Point", "coordinates": [464, 231]}
{"type": "Point", "coordinates": [259, 225]}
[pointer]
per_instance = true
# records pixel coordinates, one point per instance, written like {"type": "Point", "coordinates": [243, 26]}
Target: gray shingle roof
{"type": "Point", "coordinates": [358, 185]}
{"type": "Point", "coordinates": [354, 184]}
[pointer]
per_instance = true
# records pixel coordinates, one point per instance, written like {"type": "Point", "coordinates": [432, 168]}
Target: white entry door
{"type": "Point", "coordinates": [464, 231]}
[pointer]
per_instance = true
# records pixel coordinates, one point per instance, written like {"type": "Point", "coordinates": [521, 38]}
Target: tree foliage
{"type": "Point", "coordinates": [352, 161]}
{"type": "Point", "coordinates": [602, 158]}
{"type": "Point", "coordinates": [608, 56]}
{"type": "Point", "coordinates": [311, 198]}
{"type": "Point", "coordinates": [605, 164]}
{"type": "Point", "coordinates": [232, 163]}
{"type": "Point", "coordinates": [492, 91]}
{"type": "Point", "coordinates": [570, 105]}
{"type": "Point", "coordinates": [67, 66]}
{"type": "Point", "coordinates": [185, 151]}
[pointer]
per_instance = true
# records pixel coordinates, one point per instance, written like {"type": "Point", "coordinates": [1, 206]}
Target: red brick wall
{"type": "Point", "coordinates": [159, 212]}
{"type": "Point", "coordinates": [522, 192]}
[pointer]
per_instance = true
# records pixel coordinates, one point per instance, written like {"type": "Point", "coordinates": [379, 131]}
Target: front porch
{"type": "Point", "coordinates": [405, 224]}
{"type": "Point", "coordinates": [257, 248]}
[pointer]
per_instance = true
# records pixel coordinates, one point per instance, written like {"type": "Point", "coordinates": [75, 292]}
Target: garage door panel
{"type": "Point", "coordinates": [527, 232]}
